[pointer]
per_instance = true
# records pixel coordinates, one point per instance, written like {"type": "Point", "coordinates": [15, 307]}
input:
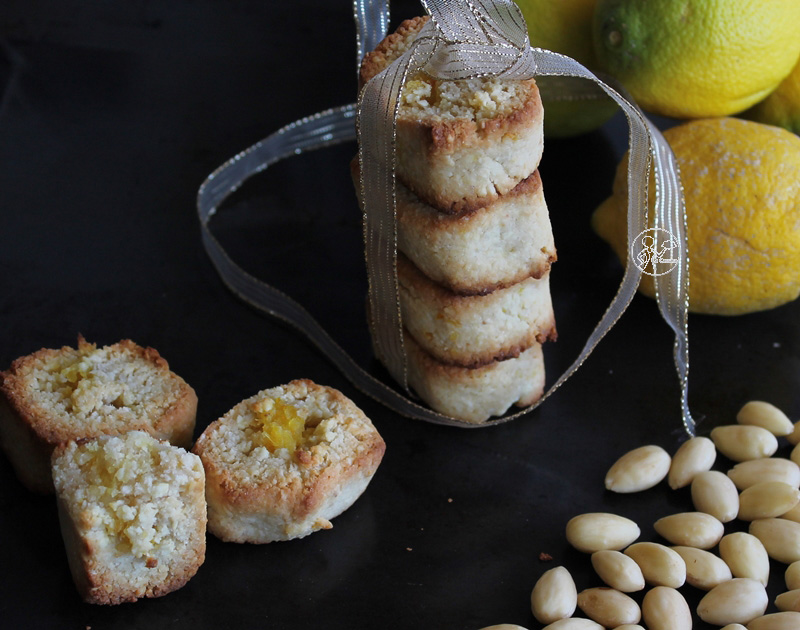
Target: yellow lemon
{"type": "Point", "coordinates": [697, 58]}
{"type": "Point", "coordinates": [565, 27]}
{"type": "Point", "coordinates": [741, 183]}
{"type": "Point", "coordinates": [781, 107]}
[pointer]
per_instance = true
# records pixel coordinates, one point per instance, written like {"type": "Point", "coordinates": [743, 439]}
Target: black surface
{"type": "Point", "coordinates": [112, 115]}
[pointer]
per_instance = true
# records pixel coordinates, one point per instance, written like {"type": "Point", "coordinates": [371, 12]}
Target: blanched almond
{"type": "Point", "coordinates": [790, 600]}
{"type": "Point", "coordinates": [504, 626]}
{"type": "Point", "coordinates": [739, 600]}
{"type": "Point", "coordinates": [776, 621]}
{"type": "Point", "coordinates": [746, 556]}
{"type": "Point", "coordinates": [780, 537]}
{"type": "Point", "coordinates": [767, 499]}
{"type": "Point", "coordinates": [734, 626]}
{"type": "Point", "coordinates": [704, 570]}
{"type": "Point", "coordinates": [714, 493]}
{"type": "Point", "coordinates": [755, 471]}
{"type": "Point", "coordinates": [792, 576]}
{"type": "Point", "coordinates": [638, 470]}
{"type": "Point", "coordinates": [793, 514]}
{"type": "Point", "coordinates": [794, 436]}
{"type": "Point", "coordinates": [594, 531]}
{"type": "Point", "coordinates": [618, 570]}
{"type": "Point", "coordinates": [795, 454]}
{"type": "Point", "coordinates": [608, 606]}
{"type": "Point", "coordinates": [690, 529]}
{"type": "Point", "coordinates": [765, 415]}
{"type": "Point", "coordinates": [629, 626]}
{"type": "Point", "coordinates": [742, 442]}
{"type": "Point", "coordinates": [664, 608]}
{"type": "Point", "coordinates": [660, 565]}
{"type": "Point", "coordinates": [695, 455]}
{"type": "Point", "coordinates": [574, 623]}
{"type": "Point", "coordinates": [554, 596]}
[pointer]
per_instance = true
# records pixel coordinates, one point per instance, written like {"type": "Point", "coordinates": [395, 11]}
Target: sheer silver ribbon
{"type": "Point", "coordinates": [463, 39]}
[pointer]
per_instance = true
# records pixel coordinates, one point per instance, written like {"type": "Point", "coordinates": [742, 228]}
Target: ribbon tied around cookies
{"type": "Point", "coordinates": [463, 39]}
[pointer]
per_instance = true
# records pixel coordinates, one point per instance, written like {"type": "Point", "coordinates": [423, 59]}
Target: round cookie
{"type": "Point", "coordinates": [284, 462]}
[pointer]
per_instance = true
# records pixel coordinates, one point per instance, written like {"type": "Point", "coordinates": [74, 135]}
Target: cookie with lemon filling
{"type": "Point", "coordinates": [460, 144]}
{"type": "Point", "coordinates": [56, 395]}
{"type": "Point", "coordinates": [284, 462]}
{"type": "Point", "coordinates": [132, 513]}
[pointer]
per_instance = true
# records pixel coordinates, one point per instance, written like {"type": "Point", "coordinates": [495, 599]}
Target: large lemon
{"type": "Point", "coordinates": [697, 58]}
{"type": "Point", "coordinates": [741, 181]}
{"type": "Point", "coordinates": [565, 27]}
{"type": "Point", "coordinates": [782, 106]}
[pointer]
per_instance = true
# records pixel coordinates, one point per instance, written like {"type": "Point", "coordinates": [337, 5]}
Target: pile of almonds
{"type": "Point", "coordinates": [760, 489]}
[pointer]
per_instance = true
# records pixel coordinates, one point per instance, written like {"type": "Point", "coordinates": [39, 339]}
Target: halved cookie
{"type": "Point", "coordinates": [132, 511]}
{"type": "Point", "coordinates": [56, 395]}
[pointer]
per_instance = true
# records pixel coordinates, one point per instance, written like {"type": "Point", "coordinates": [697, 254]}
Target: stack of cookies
{"type": "Point", "coordinates": [474, 237]}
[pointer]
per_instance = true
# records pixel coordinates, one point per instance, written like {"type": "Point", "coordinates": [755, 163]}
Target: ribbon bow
{"type": "Point", "coordinates": [463, 39]}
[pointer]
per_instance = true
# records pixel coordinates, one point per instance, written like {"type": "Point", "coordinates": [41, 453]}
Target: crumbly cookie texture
{"type": "Point", "coordinates": [133, 515]}
{"type": "Point", "coordinates": [56, 395]}
{"type": "Point", "coordinates": [474, 253]}
{"type": "Point", "coordinates": [429, 99]}
{"type": "Point", "coordinates": [460, 144]}
{"type": "Point", "coordinates": [471, 331]}
{"type": "Point", "coordinates": [476, 394]}
{"type": "Point", "coordinates": [284, 462]}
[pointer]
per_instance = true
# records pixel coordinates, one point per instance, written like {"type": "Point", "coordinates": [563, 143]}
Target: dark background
{"type": "Point", "coordinates": [112, 115]}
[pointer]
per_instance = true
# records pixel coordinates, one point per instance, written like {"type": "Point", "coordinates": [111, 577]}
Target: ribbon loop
{"type": "Point", "coordinates": [372, 22]}
{"type": "Point", "coordinates": [465, 39]}
{"type": "Point", "coordinates": [484, 38]}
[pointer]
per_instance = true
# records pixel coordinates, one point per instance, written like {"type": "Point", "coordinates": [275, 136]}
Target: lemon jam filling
{"type": "Point", "coordinates": [281, 425]}
{"type": "Point", "coordinates": [73, 374]}
{"type": "Point", "coordinates": [474, 99]}
{"type": "Point", "coordinates": [85, 388]}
